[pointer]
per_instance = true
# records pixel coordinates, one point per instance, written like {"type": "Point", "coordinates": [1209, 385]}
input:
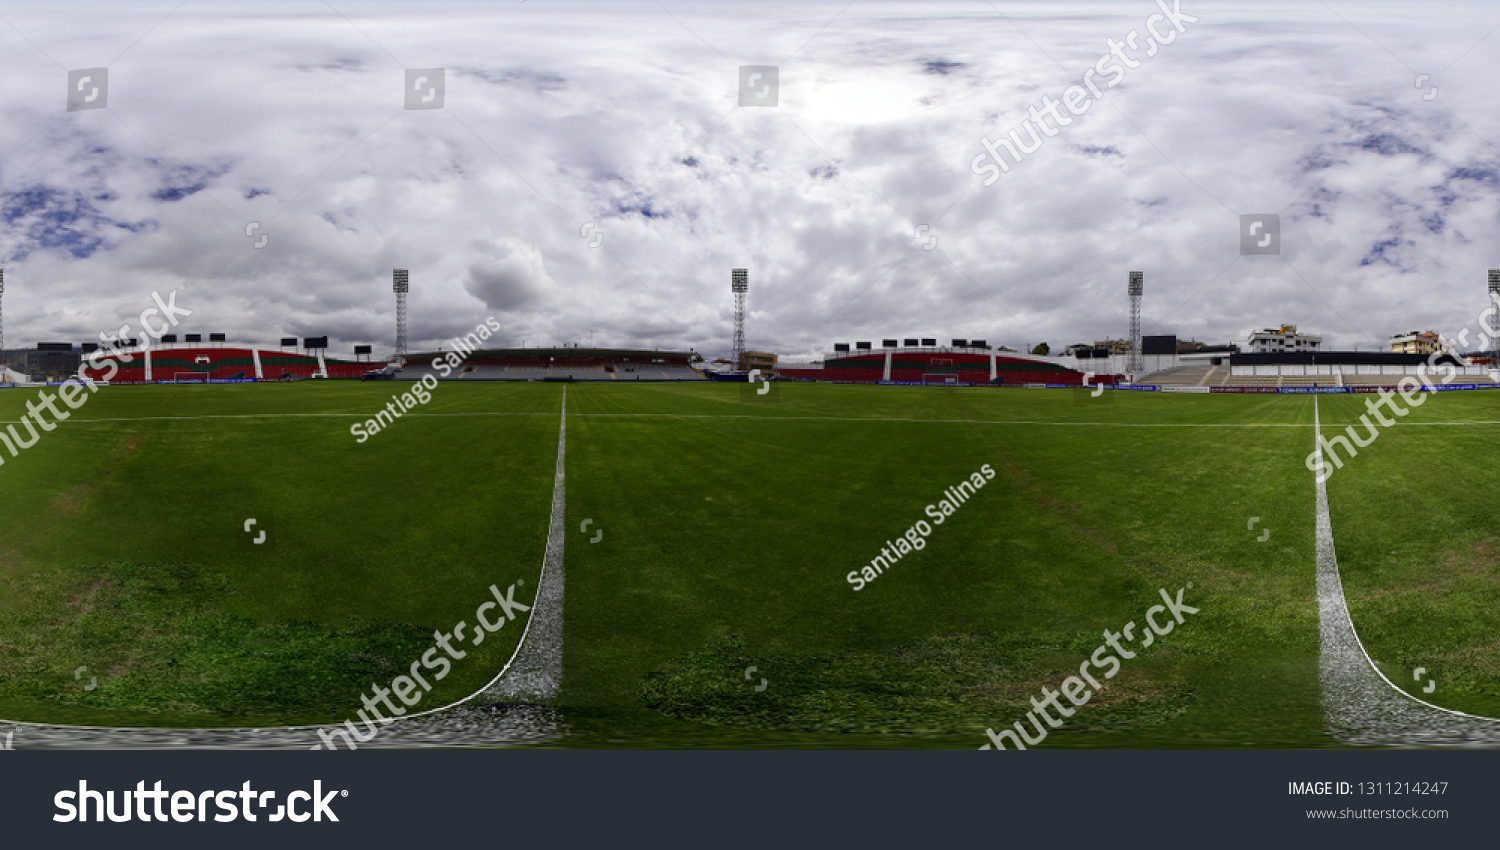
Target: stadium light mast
{"type": "Point", "coordinates": [3, 363]}
{"type": "Point", "coordinates": [399, 286]}
{"type": "Point", "coordinates": [739, 283]}
{"type": "Point", "coordinates": [1135, 363]}
{"type": "Point", "coordinates": [1494, 327]}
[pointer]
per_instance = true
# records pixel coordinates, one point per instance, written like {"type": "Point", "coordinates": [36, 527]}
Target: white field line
{"type": "Point", "coordinates": [1004, 421]}
{"type": "Point", "coordinates": [273, 416]}
{"type": "Point", "coordinates": [356, 416]}
{"type": "Point", "coordinates": [758, 418]}
{"type": "Point", "coordinates": [1353, 698]}
{"type": "Point", "coordinates": [538, 671]}
{"type": "Point", "coordinates": [553, 556]}
{"type": "Point", "coordinates": [741, 417]}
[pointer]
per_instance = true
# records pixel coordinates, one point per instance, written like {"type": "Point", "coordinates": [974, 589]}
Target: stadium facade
{"type": "Point", "coordinates": [973, 363]}
{"type": "Point", "coordinates": [177, 363]}
{"type": "Point", "coordinates": [563, 364]}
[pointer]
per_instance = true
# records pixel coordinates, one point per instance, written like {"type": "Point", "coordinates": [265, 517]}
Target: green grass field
{"type": "Point", "coordinates": [730, 522]}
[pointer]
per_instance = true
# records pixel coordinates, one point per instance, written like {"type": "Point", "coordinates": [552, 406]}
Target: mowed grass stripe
{"type": "Point", "coordinates": [733, 527]}
{"type": "Point", "coordinates": [411, 527]}
{"type": "Point", "coordinates": [733, 530]}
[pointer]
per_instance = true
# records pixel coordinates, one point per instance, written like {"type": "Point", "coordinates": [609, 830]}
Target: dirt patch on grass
{"type": "Point", "coordinates": [1485, 659]}
{"type": "Point", "coordinates": [158, 641]}
{"type": "Point", "coordinates": [1479, 560]}
{"type": "Point", "coordinates": [65, 507]}
{"type": "Point", "coordinates": [82, 603]}
{"type": "Point", "coordinates": [1221, 580]}
{"type": "Point", "coordinates": [70, 503]}
{"type": "Point", "coordinates": [1068, 513]}
{"type": "Point", "coordinates": [949, 684]}
{"type": "Point", "coordinates": [11, 562]}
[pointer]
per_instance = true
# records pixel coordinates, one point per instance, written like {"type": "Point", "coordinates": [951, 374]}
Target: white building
{"type": "Point", "coordinates": [1282, 340]}
{"type": "Point", "coordinates": [1418, 342]}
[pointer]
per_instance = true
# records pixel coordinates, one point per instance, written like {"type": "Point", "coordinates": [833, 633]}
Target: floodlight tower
{"type": "Point", "coordinates": [3, 363]}
{"type": "Point", "coordinates": [1135, 363]}
{"type": "Point", "coordinates": [1494, 327]}
{"type": "Point", "coordinates": [739, 283]}
{"type": "Point", "coordinates": [399, 286]}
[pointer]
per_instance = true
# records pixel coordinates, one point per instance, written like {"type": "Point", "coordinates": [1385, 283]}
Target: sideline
{"type": "Point", "coordinates": [1349, 694]}
{"type": "Point", "coordinates": [748, 416]}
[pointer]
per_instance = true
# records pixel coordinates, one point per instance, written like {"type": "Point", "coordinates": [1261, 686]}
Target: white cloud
{"type": "Point", "coordinates": [510, 277]}
{"type": "Point", "coordinates": [561, 114]}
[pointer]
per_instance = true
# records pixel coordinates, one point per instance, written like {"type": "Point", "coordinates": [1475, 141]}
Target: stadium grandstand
{"type": "Point", "coordinates": [1168, 365]}
{"type": "Point", "coordinates": [1321, 369]}
{"type": "Point", "coordinates": [193, 362]}
{"type": "Point", "coordinates": [552, 364]}
{"type": "Point", "coordinates": [1195, 369]}
{"type": "Point", "coordinates": [1226, 368]}
{"type": "Point", "coordinates": [923, 361]}
{"type": "Point", "coordinates": [172, 362]}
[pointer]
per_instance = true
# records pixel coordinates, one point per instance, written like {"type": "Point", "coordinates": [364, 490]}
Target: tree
{"type": "Point", "coordinates": [1041, 350]}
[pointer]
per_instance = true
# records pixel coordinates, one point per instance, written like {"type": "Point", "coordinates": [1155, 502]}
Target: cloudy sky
{"type": "Point", "coordinates": [854, 201]}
